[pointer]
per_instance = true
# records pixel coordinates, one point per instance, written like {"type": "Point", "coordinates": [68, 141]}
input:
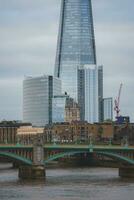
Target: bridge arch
{"type": "Point", "coordinates": [15, 157]}
{"type": "Point", "coordinates": [62, 155]}
{"type": "Point", "coordinates": [107, 154]}
{"type": "Point", "coordinates": [117, 157]}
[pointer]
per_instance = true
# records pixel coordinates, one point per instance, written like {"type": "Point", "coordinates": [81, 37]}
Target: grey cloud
{"type": "Point", "coordinates": [113, 11]}
{"type": "Point", "coordinates": [28, 4]}
{"type": "Point", "coordinates": [10, 99]}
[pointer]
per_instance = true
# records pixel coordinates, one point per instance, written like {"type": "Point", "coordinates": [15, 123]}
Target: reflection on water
{"type": "Point", "coordinates": [67, 184]}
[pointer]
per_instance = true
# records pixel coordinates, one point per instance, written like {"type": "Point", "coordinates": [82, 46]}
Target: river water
{"type": "Point", "coordinates": [67, 184]}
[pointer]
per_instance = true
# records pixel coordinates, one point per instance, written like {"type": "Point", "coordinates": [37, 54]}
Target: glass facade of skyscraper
{"type": "Point", "coordinates": [88, 93]}
{"type": "Point", "coordinates": [108, 108]}
{"type": "Point", "coordinates": [91, 94]}
{"type": "Point", "coordinates": [76, 43]}
{"type": "Point", "coordinates": [100, 93]}
{"type": "Point", "coordinates": [58, 108]}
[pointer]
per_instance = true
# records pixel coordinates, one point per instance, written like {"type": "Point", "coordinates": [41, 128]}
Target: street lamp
{"type": "Point", "coordinates": [126, 143]}
{"type": "Point", "coordinates": [110, 141]}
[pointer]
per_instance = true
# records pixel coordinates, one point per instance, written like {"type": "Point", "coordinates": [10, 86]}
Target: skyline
{"type": "Point", "coordinates": [29, 48]}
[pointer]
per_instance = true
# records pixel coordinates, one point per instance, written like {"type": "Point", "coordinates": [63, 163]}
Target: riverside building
{"type": "Point", "coordinates": [8, 131]}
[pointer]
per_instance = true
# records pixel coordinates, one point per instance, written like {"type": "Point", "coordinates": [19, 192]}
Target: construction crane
{"type": "Point", "coordinates": [117, 102]}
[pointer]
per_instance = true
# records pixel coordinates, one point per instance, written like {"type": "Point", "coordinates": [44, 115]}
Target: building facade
{"type": "Point", "coordinates": [58, 108]}
{"type": "Point", "coordinates": [64, 109]}
{"type": "Point", "coordinates": [81, 92]}
{"type": "Point", "coordinates": [8, 131]}
{"type": "Point", "coordinates": [37, 99]}
{"type": "Point", "coordinates": [88, 93]}
{"type": "Point", "coordinates": [100, 92]}
{"type": "Point", "coordinates": [72, 111]}
{"type": "Point", "coordinates": [79, 132]}
{"type": "Point", "coordinates": [27, 134]}
{"type": "Point", "coordinates": [76, 43]}
{"type": "Point", "coordinates": [108, 109]}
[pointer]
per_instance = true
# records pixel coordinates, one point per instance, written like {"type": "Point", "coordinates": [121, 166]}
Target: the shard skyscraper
{"type": "Point", "coordinates": [76, 43]}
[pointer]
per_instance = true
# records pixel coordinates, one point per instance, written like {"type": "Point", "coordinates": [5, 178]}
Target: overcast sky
{"type": "Point", "coordinates": [28, 37]}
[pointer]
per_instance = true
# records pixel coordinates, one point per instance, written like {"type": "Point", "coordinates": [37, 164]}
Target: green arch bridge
{"type": "Point", "coordinates": [21, 153]}
{"type": "Point", "coordinates": [24, 155]}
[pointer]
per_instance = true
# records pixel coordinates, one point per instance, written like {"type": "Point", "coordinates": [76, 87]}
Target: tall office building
{"type": "Point", "coordinates": [108, 108]}
{"type": "Point", "coordinates": [100, 93]}
{"type": "Point", "coordinates": [88, 93]}
{"type": "Point", "coordinates": [81, 92]}
{"type": "Point", "coordinates": [37, 99]}
{"type": "Point", "coordinates": [76, 43]}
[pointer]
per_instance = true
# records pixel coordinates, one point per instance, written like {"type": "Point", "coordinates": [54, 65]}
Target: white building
{"type": "Point", "coordinates": [88, 93]}
{"type": "Point", "coordinates": [37, 99]}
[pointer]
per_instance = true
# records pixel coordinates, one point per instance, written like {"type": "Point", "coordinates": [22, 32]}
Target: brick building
{"type": "Point", "coordinates": [124, 131]}
{"type": "Point", "coordinates": [78, 132]}
{"type": "Point", "coordinates": [72, 111]}
{"type": "Point", "coordinates": [26, 134]}
{"type": "Point", "coordinates": [8, 131]}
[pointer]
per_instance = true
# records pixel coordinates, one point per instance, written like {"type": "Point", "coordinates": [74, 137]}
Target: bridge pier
{"type": "Point", "coordinates": [15, 165]}
{"type": "Point", "coordinates": [36, 171]}
{"type": "Point", "coordinates": [32, 172]}
{"type": "Point", "coordinates": [126, 172]}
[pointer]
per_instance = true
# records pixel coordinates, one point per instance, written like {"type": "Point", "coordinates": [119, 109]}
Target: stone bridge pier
{"type": "Point", "coordinates": [126, 171]}
{"type": "Point", "coordinates": [37, 169]}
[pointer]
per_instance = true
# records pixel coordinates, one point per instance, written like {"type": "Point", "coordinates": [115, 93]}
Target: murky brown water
{"type": "Point", "coordinates": [68, 184]}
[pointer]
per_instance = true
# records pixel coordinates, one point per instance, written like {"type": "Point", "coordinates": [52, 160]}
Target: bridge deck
{"type": "Point", "coordinates": [71, 147]}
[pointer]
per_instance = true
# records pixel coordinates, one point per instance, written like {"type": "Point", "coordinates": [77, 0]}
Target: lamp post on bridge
{"type": "Point", "coordinates": [110, 141]}
{"type": "Point", "coordinates": [126, 143]}
{"type": "Point", "coordinates": [18, 142]}
{"type": "Point", "coordinates": [5, 141]}
{"type": "Point", "coordinates": [91, 143]}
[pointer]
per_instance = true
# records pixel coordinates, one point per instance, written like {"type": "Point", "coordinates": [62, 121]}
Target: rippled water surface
{"type": "Point", "coordinates": [67, 184]}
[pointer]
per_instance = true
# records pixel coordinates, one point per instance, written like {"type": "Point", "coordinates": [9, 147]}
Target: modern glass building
{"type": "Point", "coordinates": [100, 92]}
{"type": "Point", "coordinates": [37, 99]}
{"type": "Point", "coordinates": [88, 93]}
{"type": "Point", "coordinates": [108, 108]}
{"type": "Point", "coordinates": [81, 92]}
{"type": "Point", "coordinates": [76, 43]}
{"type": "Point", "coordinates": [58, 108]}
